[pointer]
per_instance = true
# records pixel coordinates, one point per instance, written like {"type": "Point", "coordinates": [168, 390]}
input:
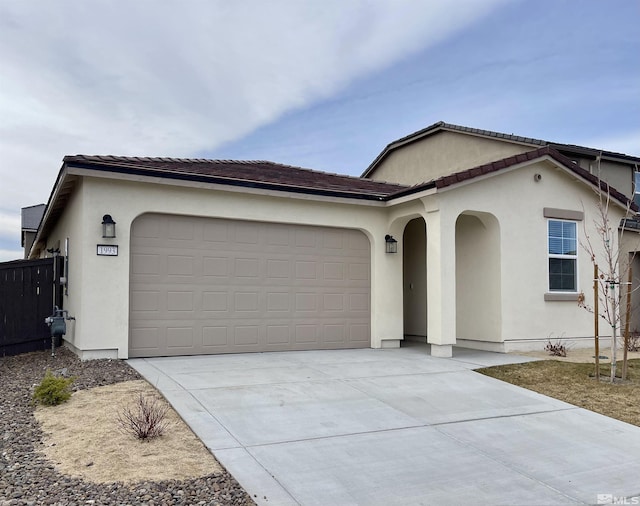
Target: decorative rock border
{"type": "Point", "coordinates": [28, 478]}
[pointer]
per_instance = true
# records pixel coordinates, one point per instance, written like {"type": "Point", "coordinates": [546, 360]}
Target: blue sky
{"type": "Point", "coordinates": [564, 71]}
{"type": "Point", "coordinates": [320, 84]}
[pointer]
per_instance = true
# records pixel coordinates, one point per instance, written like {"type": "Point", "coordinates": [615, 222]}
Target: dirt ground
{"type": "Point", "coordinates": [582, 355]}
{"type": "Point", "coordinates": [83, 439]}
{"type": "Point", "coordinates": [572, 380]}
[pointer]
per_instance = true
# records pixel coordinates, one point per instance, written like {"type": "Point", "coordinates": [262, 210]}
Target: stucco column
{"type": "Point", "coordinates": [386, 290]}
{"type": "Point", "coordinates": [441, 282]}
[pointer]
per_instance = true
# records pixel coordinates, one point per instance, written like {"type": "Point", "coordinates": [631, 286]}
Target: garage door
{"type": "Point", "coordinates": [204, 286]}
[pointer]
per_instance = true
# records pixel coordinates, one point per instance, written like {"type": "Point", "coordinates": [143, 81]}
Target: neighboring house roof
{"type": "Point", "coordinates": [31, 217]}
{"type": "Point", "coordinates": [498, 165]}
{"type": "Point", "coordinates": [442, 126]}
{"type": "Point", "coordinates": [260, 174]}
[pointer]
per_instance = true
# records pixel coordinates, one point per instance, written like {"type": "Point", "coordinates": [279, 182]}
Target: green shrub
{"type": "Point", "coordinates": [52, 390]}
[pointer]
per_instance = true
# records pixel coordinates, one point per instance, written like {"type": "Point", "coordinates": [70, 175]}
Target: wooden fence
{"type": "Point", "coordinates": [28, 291]}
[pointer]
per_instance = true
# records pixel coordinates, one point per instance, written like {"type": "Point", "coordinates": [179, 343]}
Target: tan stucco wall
{"type": "Point", "coordinates": [515, 284]}
{"type": "Point", "coordinates": [517, 202]}
{"type": "Point", "coordinates": [618, 175]}
{"type": "Point", "coordinates": [71, 225]}
{"type": "Point", "coordinates": [630, 260]}
{"type": "Point", "coordinates": [102, 287]}
{"type": "Point", "coordinates": [634, 316]}
{"type": "Point", "coordinates": [441, 154]}
{"type": "Point", "coordinates": [478, 278]}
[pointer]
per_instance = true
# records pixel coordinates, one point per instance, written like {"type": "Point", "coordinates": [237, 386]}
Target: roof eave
{"type": "Point", "coordinates": [551, 155]}
{"type": "Point", "coordinates": [226, 181]}
{"type": "Point", "coordinates": [45, 224]}
{"type": "Point", "coordinates": [68, 166]}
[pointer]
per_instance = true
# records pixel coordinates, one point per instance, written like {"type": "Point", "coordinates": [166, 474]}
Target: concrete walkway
{"type": "Point", "coordinates": [395, 427]}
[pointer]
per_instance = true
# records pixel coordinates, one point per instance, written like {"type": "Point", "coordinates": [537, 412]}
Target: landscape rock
{"type": "Point", "coordinates": [28, 478]}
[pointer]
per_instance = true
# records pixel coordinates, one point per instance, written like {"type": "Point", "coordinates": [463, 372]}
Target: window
{"type": "Point", "coordinates": [563, 256]}
{"type": "Point", "coordinates": [636, 188]}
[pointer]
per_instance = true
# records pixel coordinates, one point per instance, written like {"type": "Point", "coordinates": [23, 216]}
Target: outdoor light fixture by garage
{"type": "Point", "coordinates": [108, 227]}
{"type": "Point", "coordinates": [391, 244]}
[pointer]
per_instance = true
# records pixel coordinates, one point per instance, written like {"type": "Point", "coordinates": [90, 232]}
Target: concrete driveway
{"type": "Point", "coordinates": [395, 427]}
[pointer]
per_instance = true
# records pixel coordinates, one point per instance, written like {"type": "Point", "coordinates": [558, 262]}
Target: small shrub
{"type": "Point", "coordinates": [146, 419]}
{"type": "Point", "coordinates": [634, 342]}
{"type": "Point", "coordinates": [52, 390]}
{"type": "Point", "coordinates": [556, 349]}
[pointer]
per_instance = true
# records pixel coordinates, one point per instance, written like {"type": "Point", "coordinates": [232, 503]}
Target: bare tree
{"type": "Point", "coordinates": [612, 273]}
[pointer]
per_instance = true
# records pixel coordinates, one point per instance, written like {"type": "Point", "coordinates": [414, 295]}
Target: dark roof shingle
{"type": "Point", "coordinates": [252, 173]}
{"type": "Point", "coordinates": [274, 176]}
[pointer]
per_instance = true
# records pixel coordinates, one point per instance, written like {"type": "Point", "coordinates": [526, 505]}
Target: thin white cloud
{"type": "Point", "coordinates": [175, 78]}
{"type": "Point", "coordinates": [162, 77]}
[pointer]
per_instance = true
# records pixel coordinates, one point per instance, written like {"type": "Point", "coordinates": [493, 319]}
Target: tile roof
{"type": "Point", "coordinates": [488, 168]}
{"type": "Point", "coordinates": [575, 148]}
{"type": "Point", "coordinates": [285, 178]}
{"type": "Point", "coordinates": [269, 175]}
{"type": "Point", "coordinates": [441, 125]}
{"type": "Point", "coordinates": [477, 131]}
{"type": "Point", "coordinates": [252, 173]}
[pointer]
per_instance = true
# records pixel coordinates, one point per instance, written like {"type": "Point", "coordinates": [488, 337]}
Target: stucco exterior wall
{"type": "Point", "coordinates": [441, 154]}
{"type": "Point", "coordinates": [103, 284]}
{"type": "Point", "coordinates": [618, 175]}
{"type": "Point", "coordinates": [630, 261]}
{"type": "Point", "coordinates": [71, 225]}
{"type": "Point", "coordinates": [487, 237]}
{"type": "Point", "coordinates": [526, 315]}
{"type": "Point", "coordinates": [478, 278]}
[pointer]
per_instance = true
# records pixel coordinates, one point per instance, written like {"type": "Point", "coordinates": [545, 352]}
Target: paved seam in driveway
{"type": "Point", "coordinates": [386, 427]}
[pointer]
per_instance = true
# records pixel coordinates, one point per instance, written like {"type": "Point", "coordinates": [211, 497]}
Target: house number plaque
{"type": "Point", "coordinates": [109, 250]}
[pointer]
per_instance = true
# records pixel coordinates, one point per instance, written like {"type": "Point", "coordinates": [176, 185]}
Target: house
{"type": "Point", "coordinates": [443, 148]}
{"type": "Point", "coordinates": [169, 256]}
{"type": "Point", "coordinates": [31, 217]}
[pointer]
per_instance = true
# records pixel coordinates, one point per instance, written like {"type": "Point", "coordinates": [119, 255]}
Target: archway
{"type": "Point", "coordinates": [478, 280]}
{"type": "Point", "coordinates": [414, 280]}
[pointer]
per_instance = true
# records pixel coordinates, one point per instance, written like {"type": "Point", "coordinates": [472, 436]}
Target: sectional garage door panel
{"type": "Point", "coordinates": [205, 286]}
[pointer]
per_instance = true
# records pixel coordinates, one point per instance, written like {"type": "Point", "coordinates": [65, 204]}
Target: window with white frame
{"type": "Point", "coordinates": [563, 256]}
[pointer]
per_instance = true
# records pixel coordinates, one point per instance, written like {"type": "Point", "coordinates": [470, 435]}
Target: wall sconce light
{"type": "Point", "coordinates": [391, 245]}
{"type": "Point", "coordinates": [108, 227]}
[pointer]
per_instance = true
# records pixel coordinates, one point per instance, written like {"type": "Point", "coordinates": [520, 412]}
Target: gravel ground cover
{"type": "Point", "coordinates": [28, 478]}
